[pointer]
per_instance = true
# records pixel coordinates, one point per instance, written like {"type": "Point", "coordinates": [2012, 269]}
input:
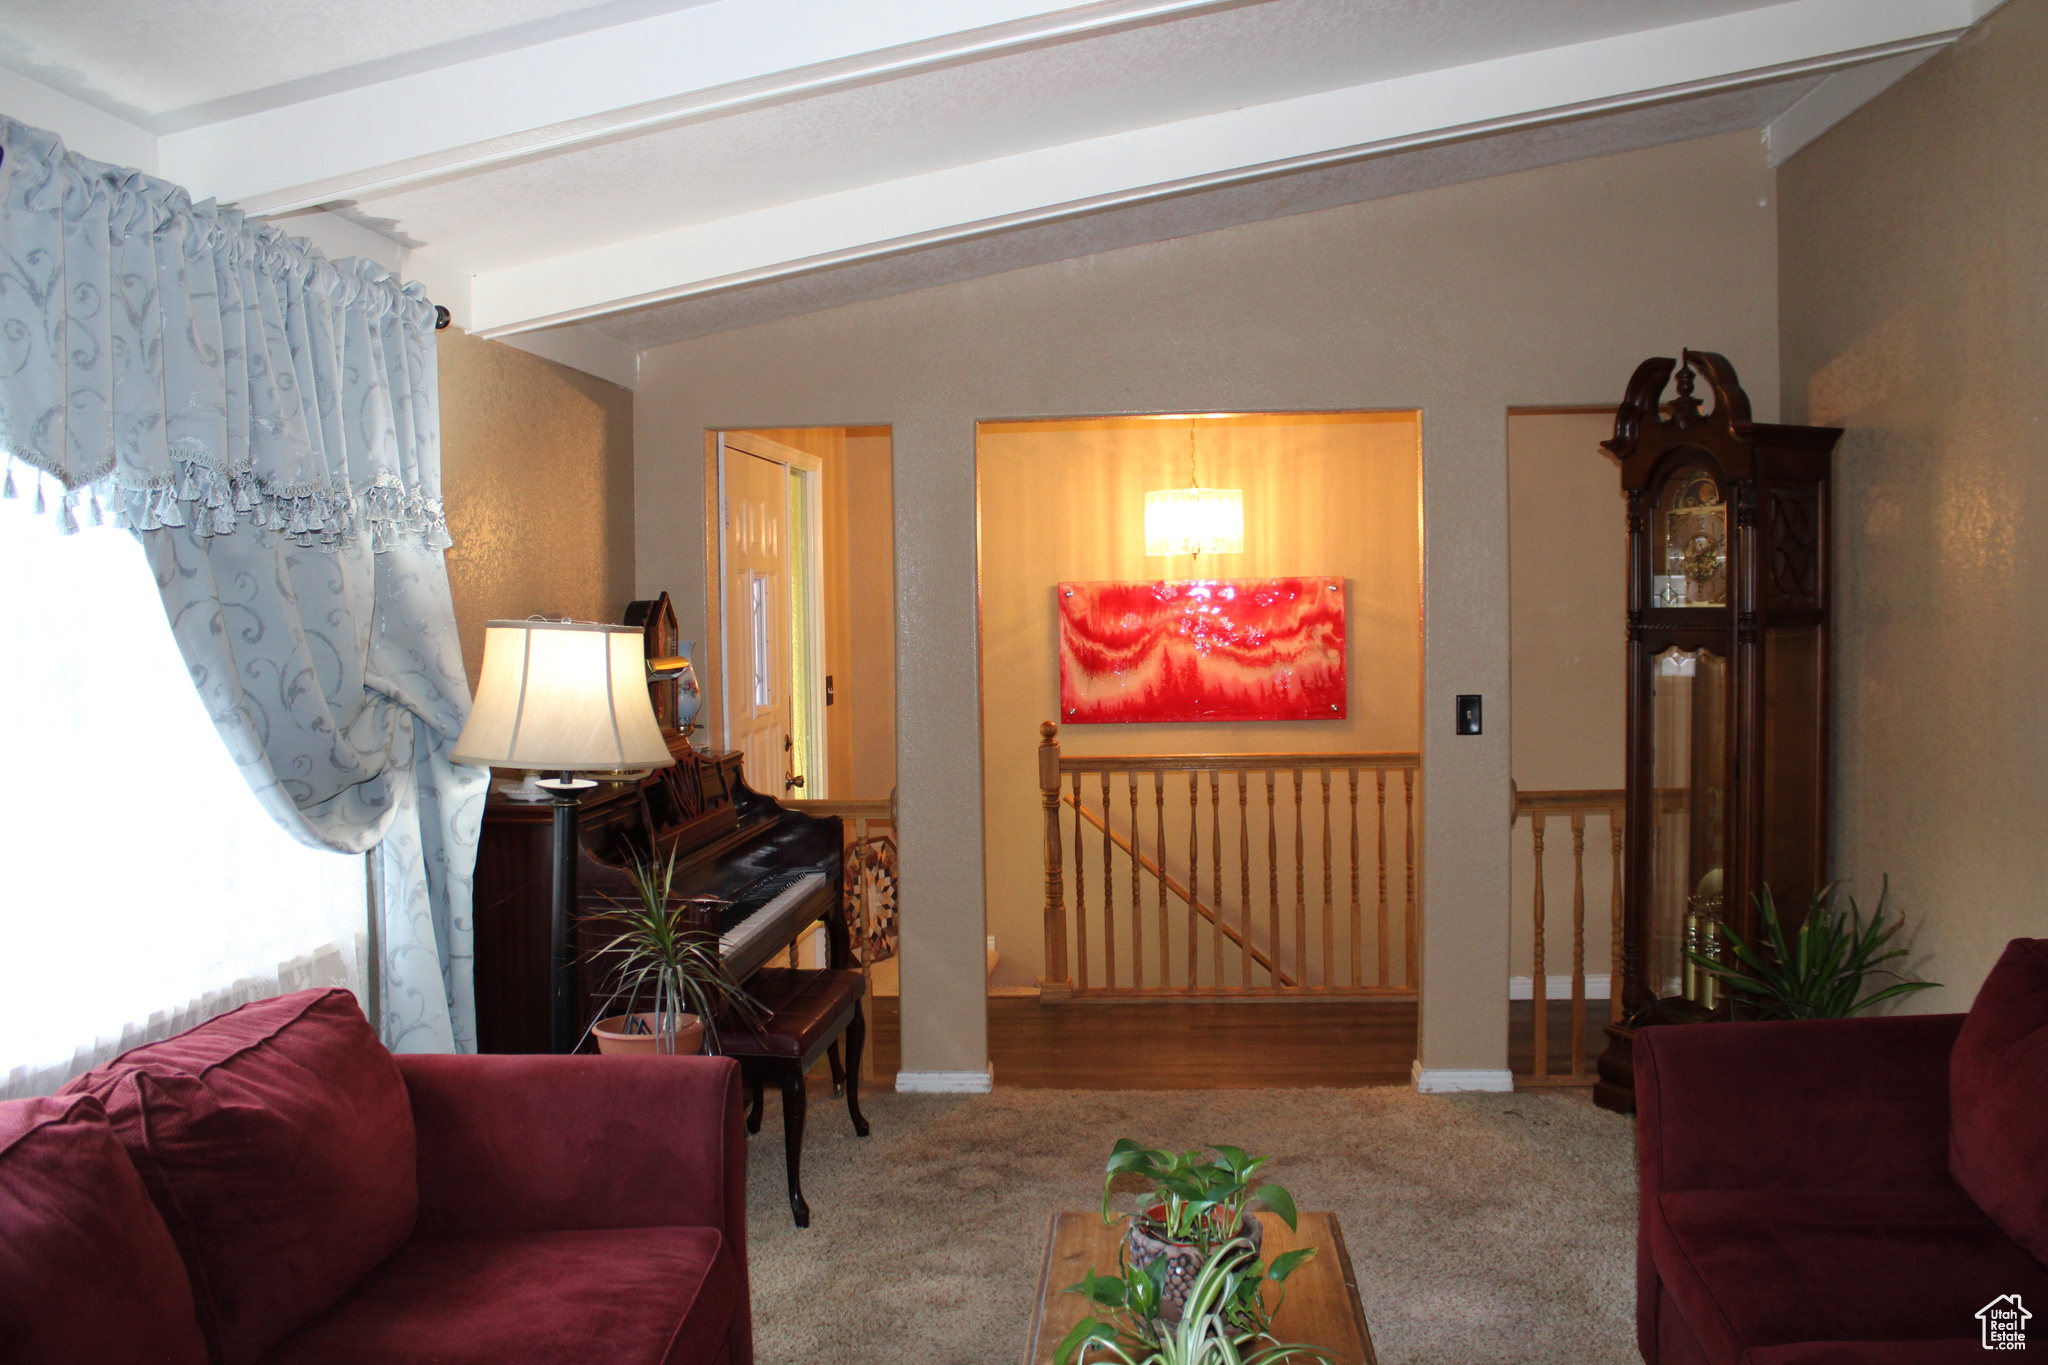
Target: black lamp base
{"type": "Point", "coordinates": [567, 791]}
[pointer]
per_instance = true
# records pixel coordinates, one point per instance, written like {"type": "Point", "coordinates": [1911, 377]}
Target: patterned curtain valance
{"type": "Point", "coordinates": [267, 424]}
{"type": "Point", "coordinates": [167, 363]}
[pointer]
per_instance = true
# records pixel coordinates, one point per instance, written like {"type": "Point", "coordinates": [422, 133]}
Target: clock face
{"type": "Point", "coordinates": [1695, 568]}
{"type": "Point", "coordinates": [1703, 557]}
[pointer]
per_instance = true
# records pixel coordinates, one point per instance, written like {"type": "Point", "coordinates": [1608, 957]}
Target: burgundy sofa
{"type": "Point", "coordinates": [1846, 1191]}
{"type": "Point", "coordinates": [274, 1186]}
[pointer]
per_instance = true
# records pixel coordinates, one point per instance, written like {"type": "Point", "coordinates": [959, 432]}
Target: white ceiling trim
{"type": "Point", "coordinates": [1833, 100]}
{"type": "Point", "coordinates": [553, 95]}
{"type": "Point", "coordinates": [1213, 150]}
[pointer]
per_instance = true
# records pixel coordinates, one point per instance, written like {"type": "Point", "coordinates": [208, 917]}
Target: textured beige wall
{"type": "Point", "coordinates": [1066, 501]}
{"type": "Point", "coordinates": [1542, 287]}
{"type": "Point", "coordinates": [868, 687]}
{"type": "Point", "coordinates": [1914, 284]}
{"type": "Point", "coordinates": [1568, 558]}
{"type": "Point", "coordinates": [537, 474]}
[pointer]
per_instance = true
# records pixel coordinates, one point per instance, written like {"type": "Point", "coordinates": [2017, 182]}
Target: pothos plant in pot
{"type": "Point", "coordinates": [657, 957]}
{"type": "Point", "coordinates": [1192, 1287]}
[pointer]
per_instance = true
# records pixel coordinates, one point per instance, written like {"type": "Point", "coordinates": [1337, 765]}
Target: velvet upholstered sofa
{"type": "Point", "coordinates": [1860, 1190]}
{"type": "Point", "coordinates": [275, 1186]}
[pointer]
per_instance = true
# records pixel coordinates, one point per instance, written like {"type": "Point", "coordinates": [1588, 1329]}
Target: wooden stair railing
{"type": "Point", "coordinates": [1214, 939]}
{"type": "Point", "coordinates": [1230, 931]}
{"type": "Point", "coordinates": [1576, 805]}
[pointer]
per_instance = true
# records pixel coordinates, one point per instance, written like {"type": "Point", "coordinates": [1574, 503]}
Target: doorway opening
{"type": "Point", "coordinates": [1208, 861]}
{"type": "Point", "coordinates": [1568, 608]}
{"type": "Point", "coordinates": [801, 597]}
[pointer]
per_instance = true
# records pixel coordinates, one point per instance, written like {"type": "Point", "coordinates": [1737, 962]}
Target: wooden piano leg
{"type": "Point", "coordinates": [753, 1107]}
{"type": "Point", "coordinates": [793, 1140]}
{"type": "Point", "coordinates": [838, 1071]}
{"type": "Point", "coordinates": [856, 1041]}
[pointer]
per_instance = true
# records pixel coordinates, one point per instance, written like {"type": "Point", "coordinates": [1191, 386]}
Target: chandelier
{"type": "Point", "coordinates": [1194, 520]}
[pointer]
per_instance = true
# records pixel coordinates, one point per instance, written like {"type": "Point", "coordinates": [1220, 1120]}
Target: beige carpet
{"type": "Point", "coordinates": [1482, 1227]}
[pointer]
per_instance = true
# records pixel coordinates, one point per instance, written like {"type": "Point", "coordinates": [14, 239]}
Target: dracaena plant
{"type": "Point", "coordinates": [1818, 972]}
{"type": "Point", "coordinates": [1226, 1320]}
{"type": "Point", "coordinates": [656, 956]}
{"type": "Point", "coordinates": [1199, 1202]}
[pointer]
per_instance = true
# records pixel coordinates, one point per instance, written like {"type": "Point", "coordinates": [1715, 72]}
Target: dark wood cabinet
{"type": "Point", "coordinates": [1728, 598]}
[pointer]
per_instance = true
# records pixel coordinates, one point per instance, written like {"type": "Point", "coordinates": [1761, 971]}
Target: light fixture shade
{"type": "Point", "coordinates": [1194, 521]}
{"type": "Point", "coordinates": [563, 697]}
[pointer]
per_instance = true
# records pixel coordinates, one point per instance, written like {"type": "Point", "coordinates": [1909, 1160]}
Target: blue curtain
{"type": "Point", "coordinates": [266, 422]}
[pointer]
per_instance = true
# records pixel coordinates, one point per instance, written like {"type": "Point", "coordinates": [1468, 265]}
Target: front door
{"type": "Point", "coordinates": [757, 617]}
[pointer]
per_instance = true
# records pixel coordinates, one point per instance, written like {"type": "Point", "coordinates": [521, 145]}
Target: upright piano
{"type": "Point", "coordinates": [777, 870]}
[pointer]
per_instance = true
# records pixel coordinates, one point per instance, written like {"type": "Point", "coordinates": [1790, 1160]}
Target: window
{"type": "Point", "coordinates": [142, 887]}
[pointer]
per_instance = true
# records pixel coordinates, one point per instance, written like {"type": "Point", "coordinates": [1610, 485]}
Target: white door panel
{"type": "Point", "coordinates": [756, 594]}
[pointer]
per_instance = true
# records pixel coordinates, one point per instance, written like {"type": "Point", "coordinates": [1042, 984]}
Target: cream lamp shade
{"type": "Point", "coordinates": [563, 696]}
{"type": "Point", "coordinates": [1194, 521]}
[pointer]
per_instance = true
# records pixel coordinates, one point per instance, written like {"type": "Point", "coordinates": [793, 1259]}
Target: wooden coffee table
{"type": "Point", "coordinates": [1322, 1306]}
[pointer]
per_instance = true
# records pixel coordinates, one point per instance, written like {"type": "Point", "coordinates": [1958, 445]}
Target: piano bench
{"type": "Point", "coordinates": [803, 1015]}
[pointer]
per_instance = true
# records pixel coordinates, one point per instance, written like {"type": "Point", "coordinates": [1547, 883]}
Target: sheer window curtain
{"type": "Point", "coordinates": [139, 876]}
{"type": "Point", "coordinates": [265, 423]}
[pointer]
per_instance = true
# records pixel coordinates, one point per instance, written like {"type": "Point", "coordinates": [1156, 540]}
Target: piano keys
{"type": "Point", "coordinates": [769, 872]}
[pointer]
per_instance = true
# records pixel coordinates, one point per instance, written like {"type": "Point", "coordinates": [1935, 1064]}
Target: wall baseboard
{"type": "Point", "coordinates": [1557, 988]}
{"type": "Point", "coordinates": [1438, 1081]}
{"type": "Point", "coordinates": [945, 1082]}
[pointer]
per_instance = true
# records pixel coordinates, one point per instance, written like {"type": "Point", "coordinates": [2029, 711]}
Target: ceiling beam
{"type": "Point", "coordinates": [1833, 100]}
{"type": "Point", "coordinates": [1803, 36]}
{"type": "Point", "coordinates": [693, 63]}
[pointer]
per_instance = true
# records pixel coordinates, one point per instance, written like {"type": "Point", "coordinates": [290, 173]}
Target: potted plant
{"type": "Point", "coordinates": [1224, 1320]}
{"type": "Point", "coordinates": [1818, 973]}
{"type": "Point", "coordinates": [657, 955]}
{"type": "Point", "coordinates": [1195, 1206]}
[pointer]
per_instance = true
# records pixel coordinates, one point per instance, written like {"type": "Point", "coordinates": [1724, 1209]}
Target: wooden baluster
{"type": "Point", "coordinates": [1386, 936]}
{"type": "Point", "coordinates": [1080, 895]}
{"type": "Point", "coordinates": [1159, 857]}
{"type": "Point", "coordinates": [1108, 893]}
{"type": "Point", "coordinates": [1272, 884]}
{"type": "Point", "coordinates": [1578, 942]}
{"type": "Point", "coordinates": [1055, 900]}
{"type": "Point", "coordinates": [1300, 896]}
{"type": "Point", "coordinates": [1357, 912]}
{"type": "Point", "coordinates": [1137, 892]}
{"type": "Point", "coordinates": [1538, 985]}
{"type": "Point", "coordinates": [1194, 874]}
{"type": "Point", "coordinates": [1412, 928]}
{"type": "Point", "coordinates": [1216, 875]}
{"type": "Point", "coordinates": [1614, 832]}
{"type": "Point", "coordinates": [1244, 878]}
{"type": "Point", "coordinates": [1329, 911]}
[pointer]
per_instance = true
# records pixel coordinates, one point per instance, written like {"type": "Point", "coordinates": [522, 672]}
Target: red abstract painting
{"type": "Point", "coordinates": [1206, 649]}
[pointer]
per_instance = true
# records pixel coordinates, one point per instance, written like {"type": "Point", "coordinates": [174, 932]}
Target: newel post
{"type": "Point", "coordinates": [1055, 985]}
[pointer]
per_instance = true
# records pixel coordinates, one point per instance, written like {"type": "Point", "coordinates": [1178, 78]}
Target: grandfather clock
{"type": "Point", "coordinates": [1728, 595]}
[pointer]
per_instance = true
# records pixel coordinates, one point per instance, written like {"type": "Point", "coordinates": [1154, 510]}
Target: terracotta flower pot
{"type": "Point", "coordinates": [616, 1038]}
{"type": "Point", "coordinates": [1183, 1260]}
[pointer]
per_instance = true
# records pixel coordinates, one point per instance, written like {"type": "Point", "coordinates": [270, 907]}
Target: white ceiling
{"type": "Point", "coordinates": [644, 170]}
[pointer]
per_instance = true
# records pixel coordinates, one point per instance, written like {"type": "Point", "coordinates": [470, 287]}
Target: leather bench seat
{"type": "Point", "coordinates": [804, 1009]}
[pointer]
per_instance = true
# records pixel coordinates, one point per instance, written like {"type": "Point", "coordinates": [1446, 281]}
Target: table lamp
{"type": "Point", "coordinates": [565, 697]}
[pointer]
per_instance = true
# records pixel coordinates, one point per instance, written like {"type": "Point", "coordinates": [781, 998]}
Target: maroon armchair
{"type": "Point", "coordinates": [1846, 1190]}
{"type": "Point", "coordinates": [274, 1187]}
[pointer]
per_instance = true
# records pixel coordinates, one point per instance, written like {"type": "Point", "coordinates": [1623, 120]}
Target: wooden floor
{"type": "Point", "coordinates": [1522, 1035]}
{"type": "Point", "coordinates": [1213, 1046]}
